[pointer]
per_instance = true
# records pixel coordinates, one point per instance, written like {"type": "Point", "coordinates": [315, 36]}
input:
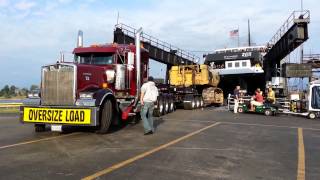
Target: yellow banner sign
{"type": "Point", "coordinates": [57, 116]}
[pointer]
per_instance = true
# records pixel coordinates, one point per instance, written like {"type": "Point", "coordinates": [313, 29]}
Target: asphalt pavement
{"type": "Point", "coordinates": [210, 143]}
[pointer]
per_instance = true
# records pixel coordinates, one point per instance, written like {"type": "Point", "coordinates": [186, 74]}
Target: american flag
{"type": "Point", "coordinates": [234, 33]}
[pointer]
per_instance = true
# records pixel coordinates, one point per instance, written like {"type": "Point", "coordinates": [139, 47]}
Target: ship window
{"type": "Point", "coordinates": [237, 64]}
{"type": "Point", "coordinates": [244, 64]}
{"type": "Point", "coordinates": [230, 65]}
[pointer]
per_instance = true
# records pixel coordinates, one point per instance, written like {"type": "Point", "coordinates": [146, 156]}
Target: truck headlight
{"type": "Point", "coordinates": [86, 95]}
{"type": "Point", "coordinates": [110, 73]}
{"type": "Point", "coordinates": [33, 95]}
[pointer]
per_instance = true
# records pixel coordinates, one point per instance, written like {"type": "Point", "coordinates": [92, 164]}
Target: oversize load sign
{"type": "Point", "coordinates": [57, 116]}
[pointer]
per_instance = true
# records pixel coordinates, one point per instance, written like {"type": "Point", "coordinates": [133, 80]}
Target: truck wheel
{"type": "Point", "coordinates": [171, 105]}
{"type": "Point", "coordinates": [166, 106]}
{"type": "Point", "coordinates": [189, 103]}
{"type": "Point", "coordinates": [201, 102]}
{"type": "Point", "coordinates": [193, 103]}
{"type": "Point", "coordinates": [240, 110]}
{"type": "Point", "coordinates": [106, 117]}
{"type": "Point", "coordinates": [267, 112]}
{"type": "Point", "coordinates": [197, 102]}
{"type": "Point", "coordinates": [159, 110]}
{"type": "Point", "coordinates": [312, 115]}
{"type": "Point", "coordinates": [39, 127]}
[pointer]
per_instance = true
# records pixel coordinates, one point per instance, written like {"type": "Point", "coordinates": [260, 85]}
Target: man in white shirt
{"type": "Point", "coordinates": [149, 94]}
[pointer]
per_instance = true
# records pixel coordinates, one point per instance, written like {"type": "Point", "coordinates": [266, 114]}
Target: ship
{"type": "Point", "coordinates": [239, 66]}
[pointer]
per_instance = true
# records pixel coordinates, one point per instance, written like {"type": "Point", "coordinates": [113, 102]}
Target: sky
{"type": "Point", "coordinates": [33, 33]}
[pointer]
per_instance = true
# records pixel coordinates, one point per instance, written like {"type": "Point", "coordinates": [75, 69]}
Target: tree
{"type": "Point", "coordinates": [23, 92]}
{"type": "Point", "coordinates": [34, 87]}
{"type": "Point", "coordinates": [12, 91]}
{"type": "Point", "coordinates": [5, 91]}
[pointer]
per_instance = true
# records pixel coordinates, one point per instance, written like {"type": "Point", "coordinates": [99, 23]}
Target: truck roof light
{"type": "Point", "coordinates": [94, 45]}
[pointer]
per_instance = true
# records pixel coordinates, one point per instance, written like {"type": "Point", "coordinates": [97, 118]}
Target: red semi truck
{"type": "Point", "coordinates": [100, 87]}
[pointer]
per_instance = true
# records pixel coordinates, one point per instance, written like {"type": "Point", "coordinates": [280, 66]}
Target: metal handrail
{"type": "Point", "coordinates": [295, 15]}
{"type": "Point", "coordinates": [130, 31]}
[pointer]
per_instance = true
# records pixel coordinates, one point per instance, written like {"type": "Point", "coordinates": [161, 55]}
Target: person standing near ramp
{"type": "Point", "coordinates": [236, 94]}
{"type": "Point", "coordinates": [149, 94]}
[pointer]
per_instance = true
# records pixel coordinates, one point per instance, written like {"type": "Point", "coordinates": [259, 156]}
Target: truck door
{"type": "Point", "coordinates": [315, 97]}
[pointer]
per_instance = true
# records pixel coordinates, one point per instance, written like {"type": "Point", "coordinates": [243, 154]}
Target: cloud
{"type": "Point", "coordinates": [3, 3]}
{"type": "Point", "coordinates": [24, 5]}
{"type": "Point", "coordinates": [64, 1]}
{"type": "Point", "coordinates": [37, 32]}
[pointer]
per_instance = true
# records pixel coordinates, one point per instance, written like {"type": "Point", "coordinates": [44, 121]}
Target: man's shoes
{"type": "Point", "coordinates": [148, 133]}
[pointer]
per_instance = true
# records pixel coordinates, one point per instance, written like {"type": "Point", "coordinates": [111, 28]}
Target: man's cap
{"type": "Point", "coordinates": [150, 78]}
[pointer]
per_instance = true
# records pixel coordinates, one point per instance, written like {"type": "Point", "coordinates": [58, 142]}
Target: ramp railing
{"type": "Point", "coordinates": [155, 42]}
{"type": "Point", "coordinates": [295, 17]}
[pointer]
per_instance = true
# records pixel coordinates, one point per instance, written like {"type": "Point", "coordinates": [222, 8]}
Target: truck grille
{"type": "Point", "coordinates": [58, 85]}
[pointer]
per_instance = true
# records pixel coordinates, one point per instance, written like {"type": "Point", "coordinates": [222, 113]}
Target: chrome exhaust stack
{"type": "Point", "coordinates": [61, 57]}
{"type": "Point", "coordinates": [80, 39]}
{"type": "Point", "coordinates": [138, 63]}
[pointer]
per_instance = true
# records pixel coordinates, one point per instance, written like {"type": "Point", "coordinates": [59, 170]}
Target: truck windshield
{"type": "Point", "coordinates": [94, 59]}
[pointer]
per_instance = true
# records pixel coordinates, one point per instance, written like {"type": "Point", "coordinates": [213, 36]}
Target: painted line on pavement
{"type": "Point", "coordinates": [35, 141]}
{"type": "Point", "coordinates": [147, 153]}
{"type": "Point", "coordinates": [269, 125]}
{"type": "Point", "coordinates": [301, 156]}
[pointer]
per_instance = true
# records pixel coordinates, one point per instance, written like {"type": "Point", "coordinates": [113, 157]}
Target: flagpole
{"type": "Point", "coordinates": [238, 37]}
{"type": "Point", "coordinates": [249, 34]}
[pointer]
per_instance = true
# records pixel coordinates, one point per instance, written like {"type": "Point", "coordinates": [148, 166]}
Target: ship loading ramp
{"type": "Point", "coordinates": [160, 51]}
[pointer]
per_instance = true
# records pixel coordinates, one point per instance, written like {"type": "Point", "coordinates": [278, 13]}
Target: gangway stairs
{"type": "Point", "coordinates": [291, 35]}
{"type": "Point", "coordinates": [158, 50]}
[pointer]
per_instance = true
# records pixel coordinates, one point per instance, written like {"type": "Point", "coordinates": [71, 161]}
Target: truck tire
{"type": "Point", "coordinates": [166, 105]}
{"type": "Point", "coordinates": [159, 110]}
{"type": "Point", "coordinates": [39, 127]}
{"type": "Point", "coordinates": [171, 105]}
{"type": "Point", "coordinates": [189, 102]}
{"type": "Point", "coordinates": [193, 104]}
{"type": "Point", "coordinates": [201, 102]}
{"type": "Point", "coordinates": [197, 102]}
{"type": "Point", "coordinates": [106, 117]}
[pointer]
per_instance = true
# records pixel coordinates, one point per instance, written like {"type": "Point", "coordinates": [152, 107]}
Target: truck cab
{"type": "Point", "coordinates": [98, 88]}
